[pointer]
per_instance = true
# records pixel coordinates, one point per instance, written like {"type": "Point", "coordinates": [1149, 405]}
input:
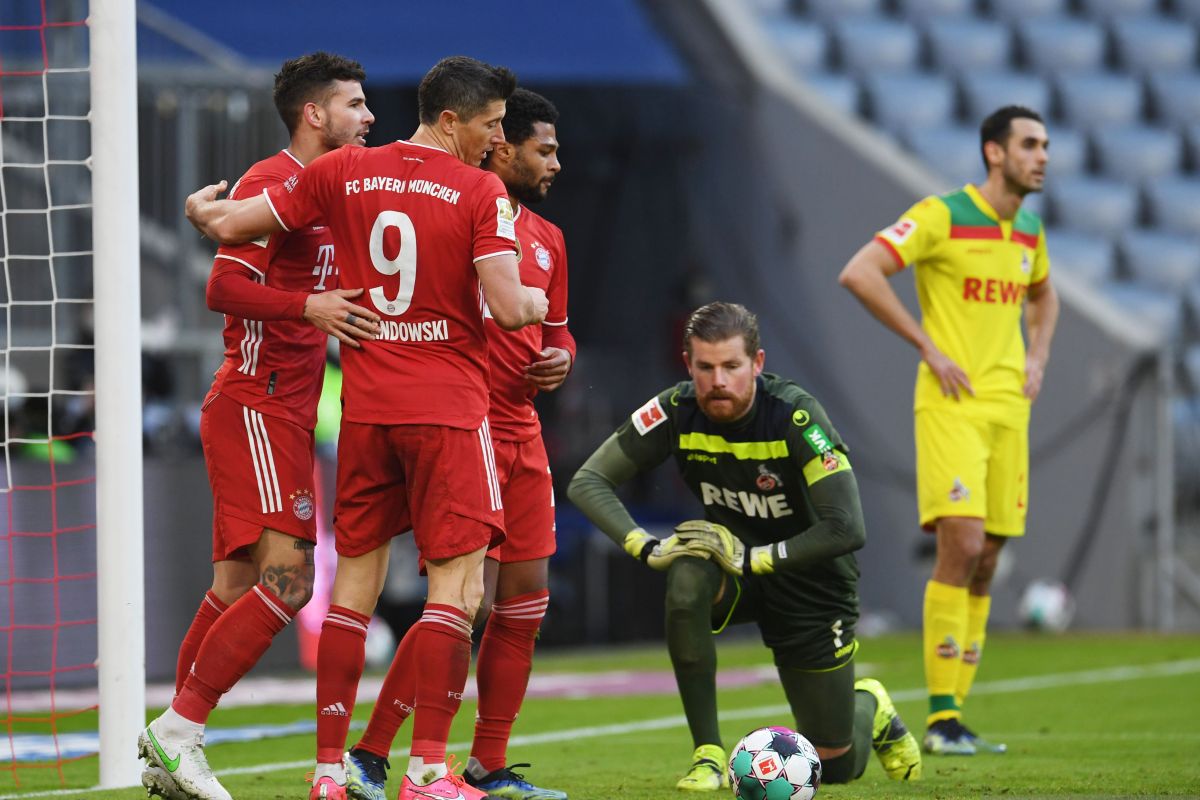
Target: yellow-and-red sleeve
{"type": "Point", "coordinates": [1041, 260]}
{"type": "Point", "coordinates": [917, 231]}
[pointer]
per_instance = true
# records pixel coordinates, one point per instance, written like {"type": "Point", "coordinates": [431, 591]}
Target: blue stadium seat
{"type": "Point", "coordinates": [805, 44]}
{"type": "Point", "coordinates": [1191, 138]}
{"type": "Point", "coordinates": [1156, 309]}
{"type": "Point", "coordinates": [960, 44]}
{"type": "Point", "coordinates": [1154, 43]}
{"type": "Point", "coordinates": [839, 90]}
{"type": "Point", "coordinates": [984, 91]}
{"type": "Point", "coordinates": [875, 44]}
{"type": "Point", "coordinates": [1173, 204]}
{"type": "Point", "coordinates": [828, 10]}
{"type": "Point", "coordinates": [1068, 152]}
{"type": "Point", "coordinates": [1095, 205]}
{"type": "Point", "coordinates": [1188, 9]}
{"type": "Point", "coordinates": [1110, 8]}
{"type": "Point", "coordinates": [1137, 153]}
{"type": "Point", "coordinates": [1099, 99]}
{"type": "Point", "coordinates": [1168, 261]}
{"type": "Point", "coordinates": [772, 7]}
{"type": "Point", "coordinates": [1175, 97]}
{"type": "Point", "coordinates": [1082, 255]}
{"type": "Point", "coordinates": [1061, 44]}
{"type": "Point", "coordinates": [1036, 203]}
{"type": "Point", "coordinates": [922, 9]}
{"type": "Point", "coordinates": [952, 152]}
{"type": "Point", "coordinates": [907, 100]}
{"type": "Point", "coordinates": [1014, 10]}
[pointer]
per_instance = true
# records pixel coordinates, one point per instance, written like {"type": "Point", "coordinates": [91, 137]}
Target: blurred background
{"type": "Point", "coordinates": [720, 149]}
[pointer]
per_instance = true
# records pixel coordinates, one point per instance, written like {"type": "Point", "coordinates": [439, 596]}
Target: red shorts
{"type": "Point", "coordinates": [528, 492]}
{"type": "Point", "coordinates": [437, 480]}
{"type": "Point", "coordinates": [261, 472]}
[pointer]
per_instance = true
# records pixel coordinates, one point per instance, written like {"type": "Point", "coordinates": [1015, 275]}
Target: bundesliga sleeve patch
{"type": "Point", "coordinates": [649, 417]}
{"type": "Point", "coordinates": [505, 219]}
{"type": "Point", "coordinates": [900, 232]}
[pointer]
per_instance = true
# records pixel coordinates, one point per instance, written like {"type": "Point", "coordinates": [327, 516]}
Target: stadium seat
{"type": "Point", "coordinates": [772, 7]}
{"type": "Point", "coordinates": [839, 90]}
{"type": "Point", "coordinates": [1137, 153]}
{"type": "Point", "coordinates": [922, 9]}
{"type": "Point", "coordinates": [1068, 152]}
{"type": "Point", "coordinates": [952, 152]}
{"type": "Point", "coordinates": [1083, 255]}
{"type": "Point", "coordinates": [1191, 140]}
{"type": "Point", "coordinates": [805, 44]}
{"type": "Point", "coordinates": [1035, 203]}
{"type": "Point", "coordinates": [908, 100]}
{"type": "Point", "coordinates": [828, 10]}
{"type": "Point", "coordinates": [1154, 43]}
{"type": "Point", "coordinates": [1173, 204]}
{"type": "Point", "coordinates": [984, 91]}
{"type": "Point", "coordinates": [1014, 10]}
{"type": "Point", "coordinates": [1175, 97]}
{"type": "Point", "coordinates": [1099, 99]}
{"type": "Point", "coordinates": [1188, 9]}
{"type": "Point", "coordinates": [1110, 8]}
{"type": "Point", "coordinates": [1095, 205]}
{"type": "Point", "coordinates": [1156, 310]}
{"type": "Point", "coordinates": [961, 44]}
{"type": "Point", "coordinates": [1168, 261]}
{"type": "Point", "coordinates": [874, 44]}
{"type": "Point", "coordinates": [1061, 44]}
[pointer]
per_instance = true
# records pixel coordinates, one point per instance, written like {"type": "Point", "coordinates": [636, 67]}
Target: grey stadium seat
{"type": "Point", "coordinates": [1061, 44]}
{"type": "Point", "coordinates": [1110, 8]}
{"type": "Point", "coordinates": [805, 44]}
{"type": "Point", "coordinates": [952, 152]}
{"type": "Point", "coordinates": [1136, 153]}
{"type": "Point", "coordinates": [837, 9]}
{"type": "Point", "coordinates": [1173, 203]}
{"type": "Point", "coordinates": [1175, 96]}
{"type": "Point", "coordinates": [1096, 205]}
{"type": "Point", "coordinates": [1168, 261]}
{"type": "Point", "coordinates": [1084, 256]}
{"type": "Point", "coordinates": [984, 91]}
{"type": "Point", "coordinates": [1188, 9]}
{"type": "Point", "coordinates": [1154, 43]}
{"type": "Point", "coordinates": [1099, 99]}
{"type": "Point", "coordinates": [906, 100]}
{"type": "Point", "coordinates": [839, 90]}
{"type": "Point", "coordinates": [1014, 10]}
{"type": "Point", "coordinates": [1156, 309]}
{"type": "Point", "coordinates": [1068, 152]}
{"type": "Point", "coordinates": [960, 44]}
{"type": "Point", "coordinates": [921, 9]}
{"type": "Point", "coordinates": [873, 44]}
{"type": "Point", "coordinates": [1035, 202]}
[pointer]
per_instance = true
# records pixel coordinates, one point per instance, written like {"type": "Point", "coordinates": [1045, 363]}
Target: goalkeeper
{"type": "Point", "coordinates": [782, 522]}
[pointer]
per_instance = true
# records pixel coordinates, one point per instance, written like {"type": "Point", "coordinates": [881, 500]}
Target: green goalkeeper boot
{"type": "Point", "coordinates": [708, 773]}
{"type": "Point", "coordinates": [897, 749]}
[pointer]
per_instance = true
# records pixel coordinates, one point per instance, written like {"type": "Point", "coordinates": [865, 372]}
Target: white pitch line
{"type": "Point", "coordinates": [1163, 669]}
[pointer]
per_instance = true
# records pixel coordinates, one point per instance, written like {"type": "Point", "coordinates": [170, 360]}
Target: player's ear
{"type": "Point", "coordinates": [760, 358]}
{"type": "Point", "coordinates": [504, 151]}
{"type": "Point", "coordinates": [447, 121]}
{"type": "Point", "coordinates": [994, 152]}
{"type": "Point", "coordinates": [687, 362]}
{"type": "Point", "coordinates": [313, 114]}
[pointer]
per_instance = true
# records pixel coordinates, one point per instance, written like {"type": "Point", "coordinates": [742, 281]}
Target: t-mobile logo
{"type": "Point", "coordinates": [325, 266]}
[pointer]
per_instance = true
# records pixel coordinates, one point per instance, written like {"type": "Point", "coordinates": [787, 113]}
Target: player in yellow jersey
{"type": "Point", "coordinates": [978, 260]}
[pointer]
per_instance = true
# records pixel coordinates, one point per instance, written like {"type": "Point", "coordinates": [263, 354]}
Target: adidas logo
{"type": "Point", "coordinates": [335, 710]}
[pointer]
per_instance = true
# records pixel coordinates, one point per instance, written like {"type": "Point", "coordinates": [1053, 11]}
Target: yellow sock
{"type": "Point", "coordinates": [945, 631]}
{"type": "Point", "coordinates": [977, 617]}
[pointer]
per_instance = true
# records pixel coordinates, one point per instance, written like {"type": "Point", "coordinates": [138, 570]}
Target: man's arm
{"type": "Point", "coordinates": [1041, 317]}
{"type": "Point", "coordinates": [866, 276]}
{"type": "Point", "coordinates": [512, 305]}
{"type": "Point", "coordinates": [230, 221]}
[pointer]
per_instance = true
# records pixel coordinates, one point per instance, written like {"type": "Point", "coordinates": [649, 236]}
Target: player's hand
{"type": "Point", "coordinates": [722, 546]}
{"type": "Point", "coordinates": [549, 373]}
{"type": "Point", "coordinates": [333, 313]}
{"type": "Point", "coordinates": [1035, 370]}
{"type": "Point", "coordinates": [196, 203]}
{"type": "Point", "coordinates": [540, 304]}
{"type": "Point", "coordinates": [657, 554]}
{"type": "Point", "coordinates": [949, 375]}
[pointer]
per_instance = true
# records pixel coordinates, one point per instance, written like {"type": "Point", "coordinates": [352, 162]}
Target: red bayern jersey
{"type": "Point", "coordinates": [542, 257]}
{"type": "Point", "coordinates": [276, 367]}
{"type": "Point", "coordinates": [409, 221]}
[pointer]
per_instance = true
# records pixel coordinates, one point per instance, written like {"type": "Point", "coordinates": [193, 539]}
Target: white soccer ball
{"type": "Point", "coordinates": [774, 763]}
{"type": "Point", "coordinates": [1047, 606]}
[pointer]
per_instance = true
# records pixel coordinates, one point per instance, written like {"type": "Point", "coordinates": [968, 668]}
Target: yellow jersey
{"type": "Point", "coordinates": [972, 271]}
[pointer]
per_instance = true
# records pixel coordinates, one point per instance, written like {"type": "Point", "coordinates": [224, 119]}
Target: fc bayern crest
{"type": "Point", "coordinates": [302, 504]}
{"type": "Point", "coordinates": [542, 256]}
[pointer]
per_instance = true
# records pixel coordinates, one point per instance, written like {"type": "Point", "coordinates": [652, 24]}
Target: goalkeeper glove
{"type": "Point", "coordinates": [731, 554]}
{"type": "Point", "coordinates": [657, 554]}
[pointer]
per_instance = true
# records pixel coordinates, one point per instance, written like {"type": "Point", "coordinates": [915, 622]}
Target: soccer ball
{"type": "Point", "coordinates": [1047, 606]}
{"type": "Point", "coordinates": [774, 763]}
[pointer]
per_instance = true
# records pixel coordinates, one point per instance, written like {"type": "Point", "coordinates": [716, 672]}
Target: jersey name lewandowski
{"type": "Point", "coordinates": [276, 367]}
{"type": "Point", "coordinates": [410, 222]}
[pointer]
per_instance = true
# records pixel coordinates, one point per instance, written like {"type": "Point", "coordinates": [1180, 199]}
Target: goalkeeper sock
{"type": "Point", "coordinates": [396, 699]}
{"type": "Point", "coordinates": [442, 655]}
{"type": "Point", "coordinates": [945, 630]}
{"type": "Point", "coordinates": [233, 645]}
{"type": "Point", "coordinates": [502, 672]}
{"type": "Point", "coordinates": [978, 608]}
{"type": "Point", "coordinates": [692, 584]}
{"type": "Point", "coordinates": [851, 764]}
{"type": "Point", "coordinates": [340, 658]}
{"type": "Point", "coordinates": [211, 609]}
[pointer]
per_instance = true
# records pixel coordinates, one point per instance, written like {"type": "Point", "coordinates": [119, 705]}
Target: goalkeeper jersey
{"type": "Point", "coordinates": [973, 271]}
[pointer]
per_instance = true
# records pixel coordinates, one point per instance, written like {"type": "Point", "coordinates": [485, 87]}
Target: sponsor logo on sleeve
{"type": "Point", "coordinates": [649, 417]}
{"type": "Point", "coordinates": [817, 440]}
{"type": "Point", "coordinates": [899, 233]}
{"type": "Point", "coordinates": [800, 418]}
{"type": "Point", "coordinates": [505, 218]}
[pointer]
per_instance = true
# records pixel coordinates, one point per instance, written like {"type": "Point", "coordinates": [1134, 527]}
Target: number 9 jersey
{"type": "Point", "coordinates": [409, 223]}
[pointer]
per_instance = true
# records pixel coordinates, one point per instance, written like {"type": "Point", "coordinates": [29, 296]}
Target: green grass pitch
{"type": "Point", "coordinates": [1083, 715]}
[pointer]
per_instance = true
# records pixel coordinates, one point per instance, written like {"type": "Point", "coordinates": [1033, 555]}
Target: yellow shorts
{"type": "Point", "coordinates": [971, 468]}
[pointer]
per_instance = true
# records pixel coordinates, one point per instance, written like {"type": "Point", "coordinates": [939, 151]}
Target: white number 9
{"type": "Point", "coordinates": [405, 261]}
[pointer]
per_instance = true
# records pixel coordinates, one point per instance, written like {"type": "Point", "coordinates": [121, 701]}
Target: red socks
{"type": "Point", "coordinates": [505, 659]}
{"type": "Point", "coordinates": [234, 644]}
{"type": "Point", "coordinates": [209, 612]}
{"type": "Point", "coordinates": [441, 657]}
{"type": "Point", "coordinates": [396, 699]}
{"type": "Point", "coordinates": [340, 659]}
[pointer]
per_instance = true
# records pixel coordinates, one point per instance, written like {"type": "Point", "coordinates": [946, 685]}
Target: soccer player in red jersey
{"type": "Point", "coordinates": [280, 299]}
{"type": "Point", "coordinates": [516, 573]}
{"type": "Point", "coordinates": [434, 237]}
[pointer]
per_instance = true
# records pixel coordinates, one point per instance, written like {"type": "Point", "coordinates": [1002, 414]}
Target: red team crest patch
{"type": "Point", "coordinates": [302, 504]}
{"type": "Point", "coordinates": [649, 417]}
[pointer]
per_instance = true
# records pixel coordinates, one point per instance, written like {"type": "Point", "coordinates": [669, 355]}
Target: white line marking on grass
{"type": "Point", "coordinates": [1009, 686]}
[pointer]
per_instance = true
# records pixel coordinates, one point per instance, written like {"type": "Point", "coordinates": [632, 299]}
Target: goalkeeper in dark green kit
{"type": "Point", "coordinates": [776, 546]}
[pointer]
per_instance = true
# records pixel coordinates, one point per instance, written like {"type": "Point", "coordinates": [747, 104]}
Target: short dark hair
{"type": "Point", "coordinates": [525, 109]}
{"type": "Point", "coordinates": [719, 322]}
{"type": "Point", "coordinates": [309, 79]}
{"type": "Point", "coordinates": [462, 85]}
{"type": "Point", "coordinates": [998, 126]}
